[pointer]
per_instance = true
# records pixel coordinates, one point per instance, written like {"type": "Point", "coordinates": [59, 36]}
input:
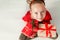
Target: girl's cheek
{"type": "Point", "coordinates": [32, 16]}
{"type": "Point", "coordinates": [44, 15]}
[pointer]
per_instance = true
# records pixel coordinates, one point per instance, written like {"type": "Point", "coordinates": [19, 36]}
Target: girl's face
{"type": "Point", "coordinates": [38, 11]}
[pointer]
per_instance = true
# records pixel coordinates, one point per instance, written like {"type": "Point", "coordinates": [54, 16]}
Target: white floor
{"type": "Point", "coordinates": [11, 12]}
{"type": "Point", "coordinates": [44, 39]}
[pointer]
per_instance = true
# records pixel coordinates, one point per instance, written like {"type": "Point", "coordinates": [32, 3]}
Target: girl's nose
{"type": "Point", "coordinates": [39, 15]}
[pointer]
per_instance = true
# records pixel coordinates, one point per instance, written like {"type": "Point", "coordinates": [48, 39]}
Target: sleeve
{"type": "Point", "coordinates": [27, 17]}
{"type": "Point", "coordinates": [48, 16]}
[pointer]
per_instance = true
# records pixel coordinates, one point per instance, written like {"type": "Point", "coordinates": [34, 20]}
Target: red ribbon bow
{"type": "Point", "coordinates": [48, 29]}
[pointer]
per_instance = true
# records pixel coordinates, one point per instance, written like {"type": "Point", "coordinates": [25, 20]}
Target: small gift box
{"type": "Point", "coordinates": [46, 30]}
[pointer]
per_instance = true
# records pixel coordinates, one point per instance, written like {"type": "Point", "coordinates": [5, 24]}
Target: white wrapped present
{"type": "Point", "coordinates": [46, 30]}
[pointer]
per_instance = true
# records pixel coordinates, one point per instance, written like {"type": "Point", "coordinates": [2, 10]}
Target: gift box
{"type": "Point", "coordinates": [46, 30]}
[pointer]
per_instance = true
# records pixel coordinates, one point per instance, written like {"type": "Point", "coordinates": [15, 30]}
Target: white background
{"type": "Point", "coordinates": [12, 11]}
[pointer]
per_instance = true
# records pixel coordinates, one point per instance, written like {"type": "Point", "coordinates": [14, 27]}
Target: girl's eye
{"type": "Point", "coordinates": [35, 12]}
{"type": "Point", "coordinates": [42, 12]}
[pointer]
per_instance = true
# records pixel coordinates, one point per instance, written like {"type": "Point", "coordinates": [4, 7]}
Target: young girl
{"type": "Point", "coordinates": [35, 16]}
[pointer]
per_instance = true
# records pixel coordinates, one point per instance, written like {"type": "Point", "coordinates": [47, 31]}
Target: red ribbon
{"type": "Point", "coordinates": [48, 29]}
